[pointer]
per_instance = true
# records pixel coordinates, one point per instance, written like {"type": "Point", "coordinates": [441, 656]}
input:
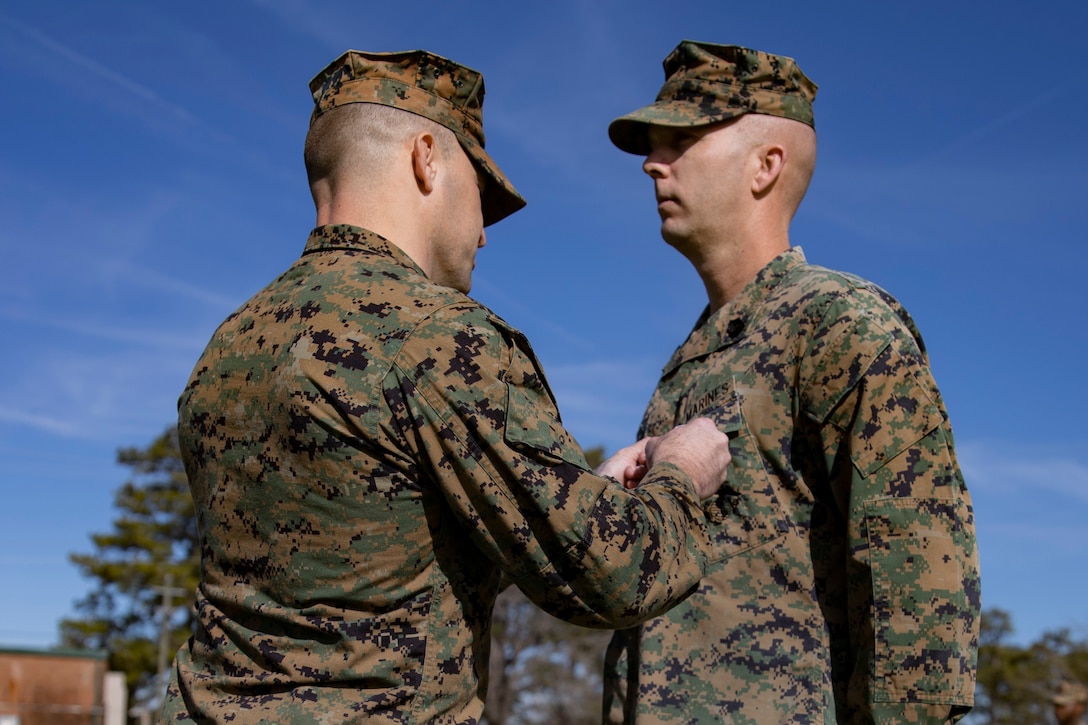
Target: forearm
{"type": "Point", "coordinates": [580, 545]}
{"type": "Point", "coordinates": [640, 553]}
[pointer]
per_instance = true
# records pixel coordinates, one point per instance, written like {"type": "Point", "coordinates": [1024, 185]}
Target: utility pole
{"type": "Point", "coordinates": [166, 609]}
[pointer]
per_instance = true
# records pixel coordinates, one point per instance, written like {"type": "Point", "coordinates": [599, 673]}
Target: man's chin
{"type": "Point", "coordinates": [672, 236]}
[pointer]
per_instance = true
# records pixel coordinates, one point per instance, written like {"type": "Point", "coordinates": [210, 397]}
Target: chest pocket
{"type": "Point", "coordinates": [745, 512]}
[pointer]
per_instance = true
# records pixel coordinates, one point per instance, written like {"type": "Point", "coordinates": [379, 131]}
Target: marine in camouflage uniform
{"type": "Point", "coordinates": [857, 599]}
{"type": "Point", "coordinates": [369, 452]}
{"type": "Point", "coordinates": [1070, 701]}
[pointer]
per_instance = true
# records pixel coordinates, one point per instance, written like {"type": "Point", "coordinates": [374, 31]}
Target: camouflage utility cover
{"type": "Point", "coordinates": [367, 452]}
{"type": "Point", "coordinates": [1070, 693]}
{"type": "Point", "coordinates": [707, 83]}
{"type": "Point", "coordinates": [859, 601]}
{"type": "Point", "coordinates": [428, 85]}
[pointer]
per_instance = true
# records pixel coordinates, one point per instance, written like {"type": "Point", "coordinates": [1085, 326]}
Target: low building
{"type": "Point", "coordinates": [59, 687]}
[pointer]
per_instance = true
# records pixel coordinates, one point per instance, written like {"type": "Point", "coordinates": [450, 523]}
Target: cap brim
{"type": "Point", "coordinates": [630, 133]}
{"type": "Point", "coordinates": [499, 199]}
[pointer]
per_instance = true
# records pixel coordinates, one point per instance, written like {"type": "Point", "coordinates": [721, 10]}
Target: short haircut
{"type": "Point", "coordinates": [358, 139]}
{"type": "Point", "coordinates": [800, 142]}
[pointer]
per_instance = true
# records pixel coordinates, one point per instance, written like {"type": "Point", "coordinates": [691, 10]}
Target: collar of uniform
{"type": "Point", "coordinates": [332, 237]}
{"type": "Point", "coordinates": [731, 322]}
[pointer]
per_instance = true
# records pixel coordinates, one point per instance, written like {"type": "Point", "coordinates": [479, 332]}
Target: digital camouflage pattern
{"type": "Point", "coordinates": [368, 451]}
{"type": "Point", "coordinates": [707, 83]}
{"type": "Point", "coordinates": [428, 85]}
{"type": "Point", "coordinates": [860, 601]}
{"type": "Point", "coordinates": [1070, 693]}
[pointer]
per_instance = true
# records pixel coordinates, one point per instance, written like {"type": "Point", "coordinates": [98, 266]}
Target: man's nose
{"type": "Point", "coordinates": [653, 166]}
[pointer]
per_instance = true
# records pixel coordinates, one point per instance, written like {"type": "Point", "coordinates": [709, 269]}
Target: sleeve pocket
{"type": "Point", "coordinates": [923, 619]}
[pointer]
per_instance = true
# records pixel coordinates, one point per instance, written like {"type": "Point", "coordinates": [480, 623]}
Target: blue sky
{"type": "Point", "coordinates": [151, 179]}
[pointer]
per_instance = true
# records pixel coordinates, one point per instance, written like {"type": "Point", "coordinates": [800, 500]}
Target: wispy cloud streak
{"type": "Point", "coordinates": [152, 339]}
{"type": "Point", "coordinates": [95, 68]}
{"type": "Point", "coordinates": [145, 277]}
{"type": "Point", "coordinates": [997, 473]}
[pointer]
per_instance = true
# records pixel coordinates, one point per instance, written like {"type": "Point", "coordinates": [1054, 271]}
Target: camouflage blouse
{"type": "Point", "coordinates": [856, 599]}
{"type": "Point", "coordinates": [368, 453]}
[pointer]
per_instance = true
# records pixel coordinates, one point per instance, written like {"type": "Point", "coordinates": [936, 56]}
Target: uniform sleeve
{"type": "Point", "coordinates": [913, 587]}
{"type": "Point", "coordinates": [470, 400]}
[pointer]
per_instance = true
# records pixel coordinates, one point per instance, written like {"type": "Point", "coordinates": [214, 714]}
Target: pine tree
{"type": "Point", "coordinates": [151, 557]}
{"type": "Point", "coordinates": [1015, 683]}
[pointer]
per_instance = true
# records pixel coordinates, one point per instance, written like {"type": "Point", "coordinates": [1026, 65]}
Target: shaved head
{"type": "Point", "coordinates": [798, 139]}
{"type": "Point", "coordinates": [358, 144]}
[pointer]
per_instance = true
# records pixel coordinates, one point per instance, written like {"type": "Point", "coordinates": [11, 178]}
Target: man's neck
{"type": "Point", "coordinates": [727, 270]}
{"type": "Point", "coordinates": [393, 220]}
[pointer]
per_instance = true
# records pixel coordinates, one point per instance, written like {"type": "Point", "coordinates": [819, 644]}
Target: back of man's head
{"type": "Point", "coordinates": [415, 83]}
{"type": "Point", "coordinates": [354, 148]}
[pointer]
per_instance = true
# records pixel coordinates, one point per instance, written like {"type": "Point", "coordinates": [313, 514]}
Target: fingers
{"type": "Point", "coordinates": [633, 475]}
{"type": "Point", "coordinates": [625, 463]}
{"type": "Point", "coordinates": [699, 449]}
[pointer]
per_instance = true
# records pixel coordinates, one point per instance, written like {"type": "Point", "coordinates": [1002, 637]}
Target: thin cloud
{"type": "Point", "coordinates": [139, 276]}
{"type": "Point", "coordinates": [142, 93]}
{"type": "Point", "coordinates": [509, 306]}
{"type": "Point", "coordinates": [570, 143]}
{"type": "Point", "coordinates": [1042, 101]}
{"type": "Point", "coordinates": [50, 424]}
{"type": "Point", "coordinates": [602, 401]}
{"type": "Point", "coordinates": [911, 204]}
{"type": "Point", "coordinates": [989, 469]}
{"type": "Point", "coordinates": [139, 337]}
{"type": "Point", "coordinates": [1069, 540]}
{"type": "Point", "coordinates": [110, 398]}
{"type": "Point", "coordinates": [305, 18]}
{"type": "Point", "coordinates": [922, 207]}
{"type": "Point", "coordinates": [32, 559]}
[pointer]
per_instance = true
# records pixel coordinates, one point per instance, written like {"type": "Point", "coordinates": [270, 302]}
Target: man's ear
{"type": "Point", "coordinates": [772, 158]}
{"type": "Point", "coordinates": [425, 161]}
